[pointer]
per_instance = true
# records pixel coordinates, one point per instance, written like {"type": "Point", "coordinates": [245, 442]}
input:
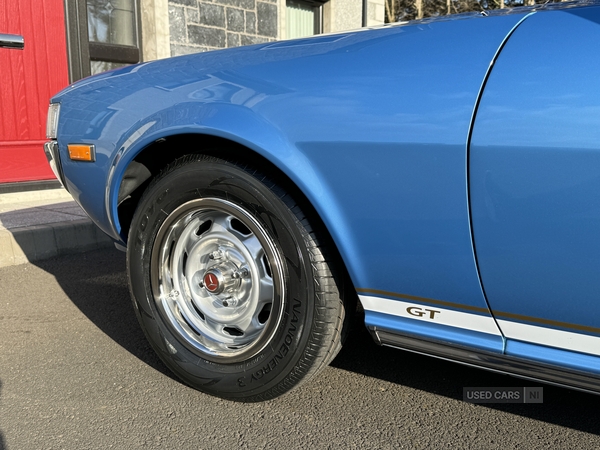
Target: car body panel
{"type": "Point", "coordinates": [555, 356]}
{"type": "Point", "coordinates": [535, 184]}
{"type": "Point", "coordinates": [404, 148]}
{"type": "Point", "coordinates": [375, 128]}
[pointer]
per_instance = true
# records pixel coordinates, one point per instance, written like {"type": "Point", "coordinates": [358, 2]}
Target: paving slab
{"type": "Point", "coordinates": [36, 225]}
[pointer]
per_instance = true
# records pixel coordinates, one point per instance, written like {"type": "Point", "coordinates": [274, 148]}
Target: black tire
{"type": "Point", "coordinates": [276, 315]}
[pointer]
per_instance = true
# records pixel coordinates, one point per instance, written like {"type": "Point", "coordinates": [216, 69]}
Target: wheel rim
{"type": "Point", "coordinates": [217, 280]}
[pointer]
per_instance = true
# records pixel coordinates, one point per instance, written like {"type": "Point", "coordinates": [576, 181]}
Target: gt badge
{"type": "Point", "coordinates": [421, 312]}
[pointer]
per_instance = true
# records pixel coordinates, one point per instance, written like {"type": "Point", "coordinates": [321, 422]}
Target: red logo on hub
{"type": "Point", "coordinates": [211, 282]}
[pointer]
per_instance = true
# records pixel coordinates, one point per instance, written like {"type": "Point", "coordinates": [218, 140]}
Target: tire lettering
{"type": "Point", "coordinates": [296, 305]}
{"type": "Point", "coordinates": [283, 350]}
{"type": "Point", "coordinates": [162, 196]}
{"type": "Point", "coordinates": [146, 219]}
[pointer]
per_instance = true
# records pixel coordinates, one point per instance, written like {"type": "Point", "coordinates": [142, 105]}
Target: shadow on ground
{"type": "Point", "coordinates": [100, 291]}
{"type": "Point", "coordinates": [564, 407]}
{"type": "Point", "coordinates": [96, 283]}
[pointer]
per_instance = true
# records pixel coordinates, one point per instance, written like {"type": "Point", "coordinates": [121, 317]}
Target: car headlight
{"type": "Point", "coordinates": [52, 122]}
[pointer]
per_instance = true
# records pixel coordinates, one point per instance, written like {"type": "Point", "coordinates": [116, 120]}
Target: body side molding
{"type": "Point", "coordinates": [494, 362]}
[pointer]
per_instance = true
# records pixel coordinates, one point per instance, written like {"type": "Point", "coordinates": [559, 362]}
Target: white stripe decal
{"type": "Point", "coordinates": [433, 314]}
{"type": "Point", "coordinates": [512, 330]}
{"type": "Point", "coordinates": [551, 337]}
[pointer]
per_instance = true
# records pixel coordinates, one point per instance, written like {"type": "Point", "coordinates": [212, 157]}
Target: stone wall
{"type": "Point", "coordinates": [375, 12]}
{"type": "Point", "coordinates": [201, 25]}
{"type": "Point", "coordinates": [155, 29]}
{"type": "Point", "coordinates": [342, 15]}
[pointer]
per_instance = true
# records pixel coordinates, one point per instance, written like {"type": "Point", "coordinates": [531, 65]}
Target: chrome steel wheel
{"type": "Point", "coordinates": [217, 280]}
{"type": "Point", "coordinates": [232, 286]}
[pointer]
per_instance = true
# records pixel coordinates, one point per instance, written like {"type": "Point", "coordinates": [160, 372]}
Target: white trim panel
{"type": "Point", "coordinates": [433, 314]}
{"type": "Point", "coordinates": [550, 337]}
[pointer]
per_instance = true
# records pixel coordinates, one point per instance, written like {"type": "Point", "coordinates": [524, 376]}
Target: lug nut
{"type": "Point", "coordinates": [218, 254]}
{"type": "Point", "coordinates": [242, 273]}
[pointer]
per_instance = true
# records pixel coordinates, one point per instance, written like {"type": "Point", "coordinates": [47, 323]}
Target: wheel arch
{"type": "Point", "coordinates": [154, 157]}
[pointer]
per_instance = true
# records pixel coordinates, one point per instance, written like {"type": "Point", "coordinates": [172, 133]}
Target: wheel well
{"type": "Point", "coordinates": [158, 155]}
{"type": "Point", "coordinates": [154, 158]}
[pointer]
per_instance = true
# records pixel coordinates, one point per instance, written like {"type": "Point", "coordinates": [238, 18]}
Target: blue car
{"type": "Point", "coordinates": [444, 173]}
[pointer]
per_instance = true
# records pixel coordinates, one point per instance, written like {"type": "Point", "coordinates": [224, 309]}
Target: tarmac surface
{"type": "Point", "coordinates": [76, 372]}
{"type": "Point", "coordinates": [36, 225]}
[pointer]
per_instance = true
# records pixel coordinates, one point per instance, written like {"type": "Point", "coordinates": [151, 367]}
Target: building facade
{"type": "Point", "coordinates": [86, 37]}
{"type": "Point", "coordinates": [200, 25]}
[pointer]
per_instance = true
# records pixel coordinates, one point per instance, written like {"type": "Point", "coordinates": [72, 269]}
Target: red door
{"type": "Point", "coordinates": [28, 78]}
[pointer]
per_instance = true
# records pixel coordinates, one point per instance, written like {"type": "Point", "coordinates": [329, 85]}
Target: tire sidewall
{"type": "Point", "coordinates": [274, 367]}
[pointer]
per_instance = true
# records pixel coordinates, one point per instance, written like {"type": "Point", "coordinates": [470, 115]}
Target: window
{"type": "Point", "coordinates": [102, 35]}
{"type": "Point", "coordinates": [304, 18]}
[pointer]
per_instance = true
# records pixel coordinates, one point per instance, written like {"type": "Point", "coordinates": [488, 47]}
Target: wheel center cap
{"type": "Point", "coordinates": [212, 282]}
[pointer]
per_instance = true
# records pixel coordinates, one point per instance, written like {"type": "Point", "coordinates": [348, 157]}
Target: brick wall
{"type": "Point", "coordinates": [201, 25]}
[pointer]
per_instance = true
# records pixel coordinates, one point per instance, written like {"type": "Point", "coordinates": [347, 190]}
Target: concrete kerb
{"type": "Point", "coordinates": [42, 224]}
{"type": "Point", "coordinates": [30, 244]}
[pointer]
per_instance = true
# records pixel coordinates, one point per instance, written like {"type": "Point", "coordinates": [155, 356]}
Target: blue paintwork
{"type": "Point", "coordinates": [373, 127]}
{"type": "Point", "coordinates": [535, 173]}
{"type": "Point", "coordinates": [555, 356]}
{"type": "Point", "coordinates": [380, 153]}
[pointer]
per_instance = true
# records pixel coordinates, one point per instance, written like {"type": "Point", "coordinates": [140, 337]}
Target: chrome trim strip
{"type": "Point", "coordinates": [12, 41]}
{"type": "Point", "coordinates": [53, 156]}
{"type": "Point", "coordinates": [495, 362]}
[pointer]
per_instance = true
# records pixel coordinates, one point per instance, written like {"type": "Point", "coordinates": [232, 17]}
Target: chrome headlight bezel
{"type": "Point", "coordinates": [52, 121]}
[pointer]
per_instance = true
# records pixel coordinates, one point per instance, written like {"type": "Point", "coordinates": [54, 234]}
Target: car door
{"type": "Point", "coordinates": [534, 171]}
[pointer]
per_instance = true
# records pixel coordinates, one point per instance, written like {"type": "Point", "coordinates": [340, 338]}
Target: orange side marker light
{"type": "Point", "coordinates": [82, 152]}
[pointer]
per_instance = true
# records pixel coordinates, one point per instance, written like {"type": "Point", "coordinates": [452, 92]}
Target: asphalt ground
{"type": "Point", "coordinates": [77, 373]}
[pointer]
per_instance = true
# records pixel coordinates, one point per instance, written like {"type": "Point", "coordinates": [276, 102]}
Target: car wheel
{"type": "Point", "coordinates": [232, 286]}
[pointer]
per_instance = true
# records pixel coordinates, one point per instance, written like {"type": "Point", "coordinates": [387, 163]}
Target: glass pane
{"type": "Point", "coordinates": [111, 21]}
{"type": "Point", "coordinates": [103, 66]}
{"type": "Point", "coordinates": [300, 19]}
